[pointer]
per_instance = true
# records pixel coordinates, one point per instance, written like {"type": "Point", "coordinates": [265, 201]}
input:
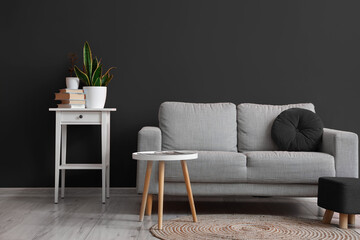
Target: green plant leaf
{"type": "Point", "coordinates": [108, 79]}
{"type": "Point", "coordinates": [97, 74]}
{"type": "Point", "coordinates": [97, 82]}
{"type": "Point", "coordinates": [95, 64]}
{"type": "Point", "coordinates": [104, 79]}
{"type": "Point", "coordinates": [107, 72]}
{"type": "Point", "coordinates": [82, 76]}
{"type": "Point", "coordinates": [87, 59]}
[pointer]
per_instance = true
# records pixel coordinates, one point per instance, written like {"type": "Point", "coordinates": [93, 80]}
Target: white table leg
{"type": "Point", "coordinates": [57, 154]}
{"type": "Point", "coordinates": [108, 156]}
{"type": "Point", "coordinates": [103, 153]}
{"type": "Point", "coordinates": [63, 157]}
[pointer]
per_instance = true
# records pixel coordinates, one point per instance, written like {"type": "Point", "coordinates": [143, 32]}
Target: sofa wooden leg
{"type": "Point", "coordinates": [149, 204]}
{"type": "Point", "coordinates": [352, 219]}
{"type": "Point", "coordinates": [328, 216]}
{"type": "Point", "coordinates": [343, 221]}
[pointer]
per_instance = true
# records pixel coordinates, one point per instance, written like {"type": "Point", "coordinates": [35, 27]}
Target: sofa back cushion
{"type": "Point", "coordinates": [198, 126]}
{"type": "Point", "coordinates": [254, 123]}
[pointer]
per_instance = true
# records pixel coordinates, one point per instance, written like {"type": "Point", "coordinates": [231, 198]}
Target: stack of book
{"type": "Point", "coordinates": [71, 98]}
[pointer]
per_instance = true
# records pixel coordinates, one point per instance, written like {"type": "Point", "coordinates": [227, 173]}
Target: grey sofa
{"type": "Point", "coordinates": [236, 153]}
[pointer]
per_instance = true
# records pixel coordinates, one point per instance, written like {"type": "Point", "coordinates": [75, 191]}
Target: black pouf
{"type": "Point", "coordinates": [342, 195]}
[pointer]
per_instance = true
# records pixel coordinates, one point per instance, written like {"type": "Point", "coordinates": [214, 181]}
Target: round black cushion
{"type": "Point", "coordinates": [297, 129]}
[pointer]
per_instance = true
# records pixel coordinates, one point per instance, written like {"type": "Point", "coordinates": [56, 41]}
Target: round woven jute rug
{"type": "Point", "coordinates": [242, 226]}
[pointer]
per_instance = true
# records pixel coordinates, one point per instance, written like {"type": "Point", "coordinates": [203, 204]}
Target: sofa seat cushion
{"type": "Point", "coordinates": [288, 167]}
{"type": "Point", "coordinates": [198, 126]}
{"type": "Point", "coordinates": [255, 122]}
{"type": "Point", "coordinates": [210, 167]}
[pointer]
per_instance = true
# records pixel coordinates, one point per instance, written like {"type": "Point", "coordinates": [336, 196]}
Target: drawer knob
{"type": "Point", "coordinates": [81, 116]}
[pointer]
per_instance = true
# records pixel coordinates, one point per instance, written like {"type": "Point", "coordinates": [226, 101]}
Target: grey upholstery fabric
{"type": "Point", "coordinates": [344, 147]}
{"type": "Point", "coordinates": [267, 173]}
{"type": "Point", "coordinates": [288, 167]}
{"type": "Point", "coordinates": [242, 189]}
{"type": "Point", "coordinates": [196, 126]}
{"type": "Point", "coordinates": [210, 167]}
{"type": "Point", "coordinates": [149, 139]}
{"type": "Point", "coordinates": [254, 124]}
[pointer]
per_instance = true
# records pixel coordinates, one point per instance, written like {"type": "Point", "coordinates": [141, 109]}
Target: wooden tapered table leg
{"type": "Point", "coordinates": [161, 157]}
{"type": "Point", "coordinates": [343, 221]}
{"type": "Point", "coordinates": [188, 188]}
{"type": "Point", "coordinates": [161, 193]}
{"type": "Point", "coordinates": [328, 216]}
{"type": "Point", "coordinates": [351, 218]}
{"type": "Point", "coordinates": [146, 190]}
{"type": "Point", "coordinates": [149, 204]}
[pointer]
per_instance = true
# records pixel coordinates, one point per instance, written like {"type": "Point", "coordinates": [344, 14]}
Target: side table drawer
{"type": "Point", "coordinates": [81, 117]}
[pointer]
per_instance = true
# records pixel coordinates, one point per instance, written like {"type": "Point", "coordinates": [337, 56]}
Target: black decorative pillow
{"type": "Point", "coordinates": [297, 129]}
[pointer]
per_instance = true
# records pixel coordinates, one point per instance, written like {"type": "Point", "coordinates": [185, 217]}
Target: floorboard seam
{"type": "Point", "coordinates": [93, 227]}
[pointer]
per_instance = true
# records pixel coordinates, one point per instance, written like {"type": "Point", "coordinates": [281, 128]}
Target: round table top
{"type": "Point", "coordinates": [165, 155]}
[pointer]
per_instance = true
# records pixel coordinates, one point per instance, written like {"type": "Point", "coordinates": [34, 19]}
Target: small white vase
{"type": "Point", "coordinates": [72, 82]}
{"type": "Point", "coordinates": [95, 96]}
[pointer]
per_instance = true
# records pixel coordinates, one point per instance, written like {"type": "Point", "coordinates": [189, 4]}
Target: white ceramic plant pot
{"type": "Point", "coordinates": [72, 82]}
{"type": "Point", "coordinates": [95, 96]}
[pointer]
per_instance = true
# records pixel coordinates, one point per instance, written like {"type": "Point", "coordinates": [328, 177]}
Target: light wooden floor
{"type": "Point", "coordinates": [31, 213]}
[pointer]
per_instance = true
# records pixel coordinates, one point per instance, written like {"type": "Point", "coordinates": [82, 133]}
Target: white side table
{"type": "Point", "coordinates": [86, 116]}
{"type": "Point", "coordinates": [161, 157]}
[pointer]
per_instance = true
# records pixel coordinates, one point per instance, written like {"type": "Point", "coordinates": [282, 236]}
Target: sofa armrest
{"type": "Point", "coordinates": [149, 139]}
{"type": "Point", "coordinates": [344, 147]}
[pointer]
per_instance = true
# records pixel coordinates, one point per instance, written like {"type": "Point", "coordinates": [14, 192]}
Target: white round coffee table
{"type": "Point", "coordinates": [162, 157]}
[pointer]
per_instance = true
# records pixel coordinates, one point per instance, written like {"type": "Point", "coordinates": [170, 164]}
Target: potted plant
{"type": "Point", "coordinates": [71, 81]}
{"type": "Point", "coordinates": [93, 80]}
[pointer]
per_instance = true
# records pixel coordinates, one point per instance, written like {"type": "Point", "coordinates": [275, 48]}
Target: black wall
{"type": "Point", "coordinates": [273, 52]}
